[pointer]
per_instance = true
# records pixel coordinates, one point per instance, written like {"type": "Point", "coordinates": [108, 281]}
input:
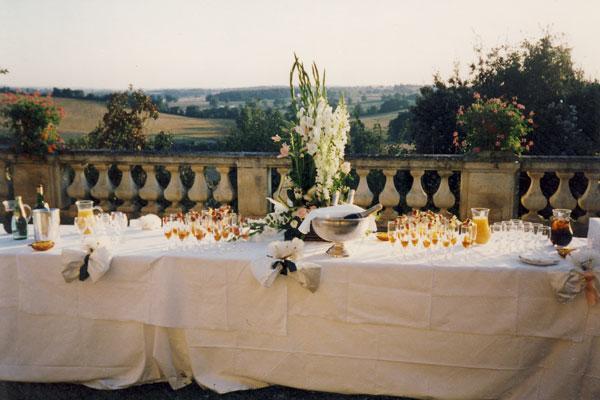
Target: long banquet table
{"type": "Point", "coordinates": [475, 325]}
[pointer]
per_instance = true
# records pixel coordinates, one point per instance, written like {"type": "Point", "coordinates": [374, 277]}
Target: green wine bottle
{"type": "Point", "coordinates": [19, 228]}
{"type": "Point", "coordinates": [39, 200]}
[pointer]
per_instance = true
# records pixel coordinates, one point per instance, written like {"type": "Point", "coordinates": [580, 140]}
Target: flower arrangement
{"type": "Point", "coordinates": [494, 125]}
{"type": "Point", "coordinates": [33, 119]}
{"type": "Point", "coordinates": [316, 151]}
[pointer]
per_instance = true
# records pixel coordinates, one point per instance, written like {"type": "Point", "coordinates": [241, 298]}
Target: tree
{"type": "Point", "coordinates": [364, 141]}
{"type": "Point", "coordinates": [122, 127]}
{"type": "Point", "coordinates": [254, 128]}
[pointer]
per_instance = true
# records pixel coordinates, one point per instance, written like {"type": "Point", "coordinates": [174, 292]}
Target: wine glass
{"type": "Point", "coordinates": [391, 232]}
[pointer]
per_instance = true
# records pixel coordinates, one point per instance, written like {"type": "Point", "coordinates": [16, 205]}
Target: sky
{"type": "Point", "coordinates": [235, 43]}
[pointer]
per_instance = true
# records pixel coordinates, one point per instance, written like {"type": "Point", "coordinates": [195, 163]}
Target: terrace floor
{"type": "Point", "coordinates": [162, 391]}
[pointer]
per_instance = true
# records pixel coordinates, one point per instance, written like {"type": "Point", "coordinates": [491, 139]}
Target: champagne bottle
{"type": "Point", "coordinates": [19, 231]}
{"type": "Point", "coordinates": [39, 200]}
{"type": "Point", "coordinates": [365, 213]}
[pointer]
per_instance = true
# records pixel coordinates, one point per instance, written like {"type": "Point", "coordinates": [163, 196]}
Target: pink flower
{"type": "Point", "coordinates": [301, 212]}
{"type": "Point", "coordinates": [284, 151]}
{"type": "Point", "coordinates": [476, 96]}
{"type": "Point", "coordinates": [455, 134]}
{"type": "Point", "coordinates": [530, 121]}
{"type": "Point", "coordinates": [520, 106]}
{"type": "Point", "coordinates": [476, 149]}
{"type": "Point", "coordinates": [497, 143]}
{"type": "Point", "coordinates": [276, 138]}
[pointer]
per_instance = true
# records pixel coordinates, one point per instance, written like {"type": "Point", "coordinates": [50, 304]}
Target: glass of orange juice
{"type": "Point", "coordinates": [480, 219]}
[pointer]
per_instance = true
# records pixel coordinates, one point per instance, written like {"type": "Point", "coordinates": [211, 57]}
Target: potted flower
{"type": "Point", "coordinates": [494, 127]}
{"type": "Point", "coordinates": [32, 120]}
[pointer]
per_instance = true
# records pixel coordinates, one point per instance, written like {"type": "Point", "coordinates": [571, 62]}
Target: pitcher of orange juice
{"type": "Point", "coordinates": [85, 211]}
{"type": "Point", "coordinates": [480, 218]}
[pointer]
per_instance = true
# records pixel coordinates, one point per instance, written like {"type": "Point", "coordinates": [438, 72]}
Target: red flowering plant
{"type": "Point", "coordinates": [32, 119]}
{"type": "Point", "coordinates": [494, 125]}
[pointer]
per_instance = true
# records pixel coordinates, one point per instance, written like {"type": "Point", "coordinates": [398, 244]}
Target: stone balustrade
{"type": "Point", "coordinates": [153, 183]}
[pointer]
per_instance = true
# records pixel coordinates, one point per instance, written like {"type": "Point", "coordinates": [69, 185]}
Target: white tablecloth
{"type": "Point", "coordinates": [474, 325]}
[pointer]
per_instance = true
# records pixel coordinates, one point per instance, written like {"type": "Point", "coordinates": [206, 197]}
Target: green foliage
{"type": "Point", "coordinates": [492, 125]}
{"type": "Point", "coordinates": [122, 127]}
{"type": "Point", "coordinates": [540, 74]}
{"type": "Point", "coordinates": [162, 141]}
{"type": "Point", "coordinates": [32, 120]}
{"type": "Point", "coordinates": [254, 129]}
{"type": "Point", "coordinates": [363, 140]}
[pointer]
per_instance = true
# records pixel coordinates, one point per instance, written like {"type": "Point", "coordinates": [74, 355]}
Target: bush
{"type": "Point", "coordinates": [32, 120]}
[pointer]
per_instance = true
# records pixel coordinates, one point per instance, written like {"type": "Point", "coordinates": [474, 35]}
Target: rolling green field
{"type": "Point", "coordinates": [382, 119]}
{"type": "Point", "coordinates": [82, 116]}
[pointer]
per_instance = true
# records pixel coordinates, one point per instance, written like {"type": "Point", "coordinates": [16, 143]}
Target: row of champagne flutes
{"type": "Point", "coordinates": [208, 228]}
{"type": "Point", "coordinates": [426, 231]}
{"type": "Point", "coordinates": [112, 225]}
{"type": "Point", "coordinates": [516, 234]}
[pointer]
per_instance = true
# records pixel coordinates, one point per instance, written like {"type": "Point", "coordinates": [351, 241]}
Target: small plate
{"type": "Point", "coordinates": [538, 260]}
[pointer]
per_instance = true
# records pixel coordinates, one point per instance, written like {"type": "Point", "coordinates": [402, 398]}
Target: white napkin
{"type": "Point", "coordinates": [568, 284]}
{"type": "Point", "coordinates": [98, 264]}
{"type": "Point", "coordinates": [594, 234]}
{"type": "Point", "coordinates": [148, 222]}
{"type": "Point", "coordinates": [307, 274]}
{"type": "Point", "coordinates": [333, 212]}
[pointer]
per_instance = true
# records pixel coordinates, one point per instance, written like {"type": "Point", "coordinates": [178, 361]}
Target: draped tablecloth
{"type": "Point", "coordinates": [475, 324]}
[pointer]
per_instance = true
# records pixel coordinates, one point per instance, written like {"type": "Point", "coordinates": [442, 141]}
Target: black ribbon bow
{"type": "Point", "coordinates": [286, 265]}
{"type": "Point", "coordinates": [83, 270]}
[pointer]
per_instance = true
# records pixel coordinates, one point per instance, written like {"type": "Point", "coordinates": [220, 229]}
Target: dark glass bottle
{"type": "Point", "coordinates": [19, 228]}
{"type": "Point", "coordinates": [39, 199]}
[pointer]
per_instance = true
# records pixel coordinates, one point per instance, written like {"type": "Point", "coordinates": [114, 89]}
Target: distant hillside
{"type": "Point", "coordinates": [82, 116]}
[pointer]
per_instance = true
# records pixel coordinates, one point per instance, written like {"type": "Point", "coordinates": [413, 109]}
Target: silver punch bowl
{"type": "Point", "coordinates": [338, 231]}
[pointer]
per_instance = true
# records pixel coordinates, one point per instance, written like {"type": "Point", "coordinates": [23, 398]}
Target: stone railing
{"type": "Point", "coordinates": [144, 183]}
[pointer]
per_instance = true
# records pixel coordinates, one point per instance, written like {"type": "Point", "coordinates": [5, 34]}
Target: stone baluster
{"type": "Point", "coordinates": [284, 185]}
{"type": "Point", "coordinates": [563, 198]}
{"type": "Point", "coordinates": [103, 189]}
{"type": "Point", "coordinates": [443, 198]}
{"type": "Point", "coordinates": [151, 191]}
{"type": "Point", "coordinates": [534, 200]}
{"type": "Point", "coordinates": [389, 197]}
{"type": "Point", "coordinates": [224, 191]}
{"type": "Point", "coordinates": [3, 181]}
{"type": "Point", "coordinates": [590, 200]}
{"type": "Point", "coordinates": [416, 198]}
{"type": "Point", "coordinates": [199, 190]}
{"type": "Point", "coordinates": [363, 196]}
{"type": "Point", "coordinates": [175, 191]}
{"type": "Point", "coordinates": [79, 189]}
{"type": "Point", "coordinates": [127, 190]}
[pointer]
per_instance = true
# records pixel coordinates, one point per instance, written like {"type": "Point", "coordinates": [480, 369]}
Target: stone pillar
{"type": "Point", "coordinates": [534, 200]}
{"type": "Point", "coordinates": [199, 190]}
{"type": "Point", "coordinates": [127, 190]}
{"type": "Point", "coordinates": [443, 197]}
{"type": "Point", "coordinates": [363, 196]}
{"type": "Point", "coordinates": [491, 185]}
{"type": "Point", "coordinates": [3, 183]}
{"type": "Point", "coordinates": [590, 200]}
{"type": "Point", "coordinates": [563, 198]}
{"type": "Point", "coordinates": [151, 191]}
{"type": "Point", "coordinates": [224, 191]}
{"type": "Point", "coordinates": [284, 184]}
{"type": "Point", "coordinates": [416, 198]}
{"type": "Point", "coordinates": [175, 191]}
{"type": "Point", "coordinates": [389, 197]}
{"type": "Point", "coordinates": [103, 189]}
{"type": "Point", "coordinates": [78, 189]}
{"type": "Point", "coordinates": [253, 187]}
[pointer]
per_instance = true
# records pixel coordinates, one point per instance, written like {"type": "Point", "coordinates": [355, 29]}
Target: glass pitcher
{"type": "Point", "coordinates": [481, 220]}
{"type": "Point", "coordinates": [85, 214]}
{"type": "Point", "coordinates": [561, 232]}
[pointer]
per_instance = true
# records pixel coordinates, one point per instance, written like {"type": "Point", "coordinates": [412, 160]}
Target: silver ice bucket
{"type": "Point", "coordinates": [46, 224]}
